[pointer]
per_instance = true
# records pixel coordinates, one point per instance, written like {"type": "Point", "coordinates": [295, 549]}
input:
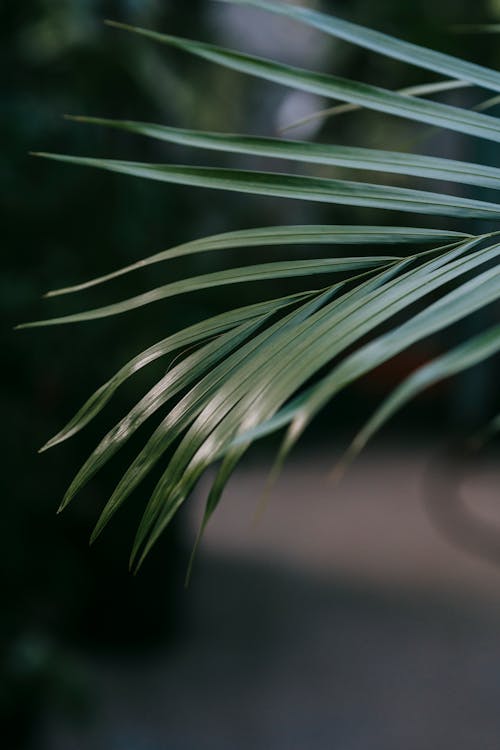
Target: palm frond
{"type": "Point", "coordinates": [261, 368]}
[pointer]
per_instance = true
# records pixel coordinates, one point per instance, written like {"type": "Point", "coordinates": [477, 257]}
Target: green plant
{"type": "Point", "coordinates": [251, 371]}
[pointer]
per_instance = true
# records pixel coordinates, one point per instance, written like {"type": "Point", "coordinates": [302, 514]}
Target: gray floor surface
{"type": "Point", "coordinates": [346, 646]}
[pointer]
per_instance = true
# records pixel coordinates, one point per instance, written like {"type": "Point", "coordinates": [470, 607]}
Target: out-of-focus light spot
{"type": "Point", "coordinates": [294, 107]}
{"type": "Point", "coordinates": [264, 34]}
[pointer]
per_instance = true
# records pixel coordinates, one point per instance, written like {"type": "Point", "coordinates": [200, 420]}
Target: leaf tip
{"type": "Point", "coordinates": [131, 560]}
{"type": "Point", "coordinates": [189, 571]}
{"type": "Point", "coordinates": [23, 326]}
{"type": "Point", "coordinates": [136, 564]}
{"type": "Point", "coordinates": [337, 474]}
{"type": "Point", "coordinates": [68, 497]}
{"type": "Point", "coordinates": [339, 471]}
{"type": "Point", "coordinates": [117, 24]}
{"type": "Point", "coordinates": [134, 568]}
{"type": "Point", "coordinates": [95, 534]}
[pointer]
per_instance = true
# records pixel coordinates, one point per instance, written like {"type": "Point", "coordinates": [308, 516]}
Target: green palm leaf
{"type": "Point", "coordinates": [354, 92]}
{"type": "Point", "coordinates": [275, 364]}
{"type": "Point", "coordinates": [475, 294]}
{"type": "Point", "coordinates": [188, 370]}
{"type": "Point", "coordinates": [261, 272]}
{"type": "Point", "coordinates": [382, 43]}
{"type": "Point", "coordinates": [462, 357]}
{"type": "Point", "coordinates": [317, 189]}
{"type": "Point", "coordinates": [286, 235]}
{"type": "Point", "coordinates": [180, 340]}
{"type": "Point", "coordinates": [376, 160]}
{"type": "Point", "coordinates": [185, 412]}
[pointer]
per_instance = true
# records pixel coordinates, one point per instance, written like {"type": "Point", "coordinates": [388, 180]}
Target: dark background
{"type": "Point", "coordinates": [62, 602]}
